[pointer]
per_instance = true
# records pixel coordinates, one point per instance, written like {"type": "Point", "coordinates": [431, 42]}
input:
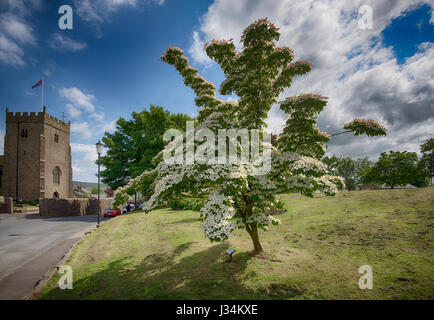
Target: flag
{"type": "Point", "coordinates": [38, 84]}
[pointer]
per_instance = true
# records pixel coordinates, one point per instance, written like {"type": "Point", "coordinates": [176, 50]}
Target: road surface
{"type": "Point", "coordinates": [30, 246]}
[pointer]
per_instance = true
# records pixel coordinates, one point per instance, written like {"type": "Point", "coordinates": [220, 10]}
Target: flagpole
{"type": "Point", "coordinates": [42, 95]}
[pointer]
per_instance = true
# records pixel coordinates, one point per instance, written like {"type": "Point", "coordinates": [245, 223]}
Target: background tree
{"type": "Point", "coordinates": [131, 147]}
{"type": "Point", "coordinates": [393, 169]}
{"type": "Point", "coordinates": [94, 190]}
{"type": "Point", "coordinates": [237, 197]}
{"type": "Point", "coordinates": [347, 168]}
{"type": "Point", "coordinates": [427, 160]}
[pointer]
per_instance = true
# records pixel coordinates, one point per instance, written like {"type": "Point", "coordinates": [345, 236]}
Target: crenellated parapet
{"type": "Point", "coordinates": [37, 117]}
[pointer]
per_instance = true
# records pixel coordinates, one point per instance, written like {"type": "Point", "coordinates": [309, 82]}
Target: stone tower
{"type": "Point", "coordinates": [37, 157]}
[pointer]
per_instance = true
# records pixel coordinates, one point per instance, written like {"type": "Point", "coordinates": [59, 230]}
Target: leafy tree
{"type": "Point", "coordinates": [135, 142]}
{"type": "Point", "coordinates": [237, 196]}
{"type": "Point", "coordinates": [85, 195]}
{"type": "Point", "coordinates": [347, 168]}
{"type": "Point", "coordinates": [94, 190]}
{"type": "Point", "coordinates": [427, 160]}
{"type": "Point", "coordinates": [394, 168]}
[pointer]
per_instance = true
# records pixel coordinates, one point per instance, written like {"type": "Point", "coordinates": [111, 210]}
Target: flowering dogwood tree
{"type": "Point", "coordinates": [237, 195]}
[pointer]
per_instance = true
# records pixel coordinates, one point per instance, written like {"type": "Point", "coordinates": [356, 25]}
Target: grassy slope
{"type": "Point", "coordinates": [314, 254]}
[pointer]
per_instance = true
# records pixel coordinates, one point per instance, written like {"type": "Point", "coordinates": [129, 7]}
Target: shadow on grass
{"type": "Point", "coordinates": [187, 220]}
{"type": "Point", "coordinates": [202, 275]}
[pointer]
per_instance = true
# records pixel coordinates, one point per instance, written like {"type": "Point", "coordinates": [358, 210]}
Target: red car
{"type": "Point", "coordinates": [110, 212]}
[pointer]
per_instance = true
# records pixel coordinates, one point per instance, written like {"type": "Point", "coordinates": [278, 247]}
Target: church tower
{"type": "Point", "coordinates": [37, 157]}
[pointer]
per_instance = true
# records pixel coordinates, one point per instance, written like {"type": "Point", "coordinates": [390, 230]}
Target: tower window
{"type": "Point", "coordinates": [56, 175]}
{"type": "Point", "coordinates": [56, 137]}
{"type": "Point", "coordinates": [24, 133]}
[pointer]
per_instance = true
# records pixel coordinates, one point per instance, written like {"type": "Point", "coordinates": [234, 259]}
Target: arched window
{"type": "Point", "coordinates": [56, 175]}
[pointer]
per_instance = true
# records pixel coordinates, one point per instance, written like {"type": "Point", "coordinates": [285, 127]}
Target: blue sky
{"type": "Point", "coordinates": [408, 31]}
{"type": "Point", "coordinates": [108, 65]}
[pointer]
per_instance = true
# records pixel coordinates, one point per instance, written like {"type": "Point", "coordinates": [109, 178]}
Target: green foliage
{"type": "Point", "coordinates": [238, 197]}
{"type": "Point", "coordinates": [394, 168]}
{"type": "Point", "coordinates": [94, 190]}
{"type": "Point", "coordinates": [347, 168]}
{"type": "Point", "coordinates": [426, 162]}
{"type": "Point", "coordinates": [369, 127]}
{"type": "Point", "coordinates": [300, 133]}
{"type": "Point", "coordinates": [34, 202]}
{"type": "Point", "coordinates": [186, 204]}
{"type": "Point", "coordinates": [86, 195]}
{"type": "Point", "coordinates": [135, 142]}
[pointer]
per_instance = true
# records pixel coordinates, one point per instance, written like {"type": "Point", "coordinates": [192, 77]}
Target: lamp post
{"type": "Point", "coordinates": [98, 150]}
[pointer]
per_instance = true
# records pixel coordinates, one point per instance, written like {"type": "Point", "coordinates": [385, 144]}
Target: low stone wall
{"type": "Point", "coordinates": [24, 208]}
{"type": "Point", "coordinates": [6, 205]}
{"type": "Point", "coordinates": [72, 207]}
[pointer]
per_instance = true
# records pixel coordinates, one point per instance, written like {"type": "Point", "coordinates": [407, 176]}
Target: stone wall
{"type": "Point", "coordinates": [56, 154]}
{"type": "Point", "coordinates": [72, 207]}
{"type": "Point", "coordinates": [6, 205]}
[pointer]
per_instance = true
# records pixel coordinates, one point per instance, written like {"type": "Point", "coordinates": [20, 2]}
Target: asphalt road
{"type": "Point", "coordinates": [30, 246]}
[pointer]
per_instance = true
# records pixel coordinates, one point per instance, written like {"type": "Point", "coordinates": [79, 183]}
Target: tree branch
{"type": "Point", "coordinates": [336, 134]}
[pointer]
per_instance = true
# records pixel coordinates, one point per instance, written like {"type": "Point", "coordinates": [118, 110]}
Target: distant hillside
{"type": "Point", "coordinates": [88, 185]}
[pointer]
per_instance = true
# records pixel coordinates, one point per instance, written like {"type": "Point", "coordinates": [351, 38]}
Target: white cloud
{"type": "Point", "coordinates": [10, 52]}
{"type": "Point", "coordinates": [81, 129]}
{"type": "Point", "coordinates": [98, 116]}
{"type": "Point", "coordinates": [197, 51]}
{"type": "Point", "coordinates": [351, 66]}
{"type": "Point", "coordinates": [107, 126]}
{"type": "Point", "coordinates": [83, 161]}
{"type": "Point", "coordinates": [78, 98]}
{"type": "Point", "coordinates": [21, 7]}
{"type": "Point", "coordinates": [17, 29]}
{"type": "Point", "coordinates": [73, 111]}
{"type": "Point", "coordinates": [87, 130]}
{"type": "Point", "coordinates": [100, 10]}
{"type": "Point", "coordinates": [86, 124]}
{"type": "Point", "coordinates": [15, 33]}
{"type": "Point", "coordinates": [86, 121]}
{"type": "Point", "coordinates": [64, 43]}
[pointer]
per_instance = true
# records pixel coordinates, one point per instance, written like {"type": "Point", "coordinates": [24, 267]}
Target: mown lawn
{"type": "Point", "coordinates": [314, 254]}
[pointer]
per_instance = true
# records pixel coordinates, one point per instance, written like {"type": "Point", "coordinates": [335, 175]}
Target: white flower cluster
{"type": "Point", "coordinates": [217, 213]}
{"type": "Point", "coordinates": [260, 220]}
{"type": "Point", "coordinates": [161, 186]}
{"type": "Point", "coordinates": [309, 164]}
{"type": "Point", "coordinates": [331, 184]}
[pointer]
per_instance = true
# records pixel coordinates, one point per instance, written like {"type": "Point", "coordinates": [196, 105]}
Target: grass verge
{"type": "Point", "coordinates": [315, 254]}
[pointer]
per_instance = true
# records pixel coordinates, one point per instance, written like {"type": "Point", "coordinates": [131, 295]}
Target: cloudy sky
{"type": "Point", "coordinates": [108, 65]}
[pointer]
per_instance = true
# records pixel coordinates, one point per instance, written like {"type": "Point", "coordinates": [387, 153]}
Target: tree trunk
{"type": "Point", "coordinates": [255, 239]}
{"type": "Point", "coordinates": [253, 230]}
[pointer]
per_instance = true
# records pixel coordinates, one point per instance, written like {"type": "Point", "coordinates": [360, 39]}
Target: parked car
{"type": "Point", "coordinates": [126, 209]}
{"type": "Point", "coordinates": [110, 212]}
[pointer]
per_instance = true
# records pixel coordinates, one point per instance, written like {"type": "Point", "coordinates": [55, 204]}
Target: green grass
{"type": "Point", "coordinates": [314, 254]}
